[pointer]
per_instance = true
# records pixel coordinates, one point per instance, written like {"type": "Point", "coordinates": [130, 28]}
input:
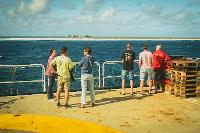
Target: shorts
{"type": "Point", "coordinates": [63, 82]}
{"type": "Point", "coordinates": [146, 71]}
{"type": "Point", "coordinates": [126, 72]}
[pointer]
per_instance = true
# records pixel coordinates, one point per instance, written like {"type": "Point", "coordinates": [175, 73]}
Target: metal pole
{"type": "Point", "coordinates": [103, 74]}
{"type": "Point", "coordinates": [99, 73]}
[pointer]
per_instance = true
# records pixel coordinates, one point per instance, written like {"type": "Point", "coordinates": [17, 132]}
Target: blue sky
{"type": "Point", "coordinates": [152, 18]}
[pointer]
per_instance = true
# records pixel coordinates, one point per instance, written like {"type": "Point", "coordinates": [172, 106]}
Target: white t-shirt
{"type": "Point", "coordinates": [146, 59]}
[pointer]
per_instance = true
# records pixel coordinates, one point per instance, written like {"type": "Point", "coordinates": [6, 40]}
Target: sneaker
{"type": "Point", "coordinates": [66, 105]}
{"type": "Point", "coordinates": [58, 105]}
{"type": "Point", "coordinates": [131, 93]}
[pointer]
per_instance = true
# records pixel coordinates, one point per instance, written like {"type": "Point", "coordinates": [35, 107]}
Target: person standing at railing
{"type": "Point", "coordinates": [51, 76]}
{"type": "Point", "coordinates": [159, 67]}
{"type": "Point", "coordinates": [128, 57]}
{"type": "Point", "coordinates": [87, 80]}
{"type": "Point", "coordinates": [145, 65]}
{"type": "Point", "coordinates": [64, 66]}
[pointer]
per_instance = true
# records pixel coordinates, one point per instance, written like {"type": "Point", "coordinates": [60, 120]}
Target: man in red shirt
{"type": "Point", "coordinates": [159, 68]}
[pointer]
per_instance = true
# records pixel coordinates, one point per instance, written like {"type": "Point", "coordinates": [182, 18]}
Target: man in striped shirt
{"type": "Point", "coordinates": [145, 65]}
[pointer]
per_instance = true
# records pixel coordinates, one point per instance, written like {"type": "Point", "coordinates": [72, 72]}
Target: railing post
{"type": "Point", "coordinates": [99, 73]}
{"type": "Point", "coordinates": [103, 72]}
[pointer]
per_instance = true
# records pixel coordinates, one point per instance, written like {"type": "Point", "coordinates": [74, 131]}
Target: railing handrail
{"type": "Point", "coordinates": [76, 63]}
{"type": "Point", "coordinates": [25, 65]}
{"type": "Point", "coordinates": [43, 81]}
{"type": "Point", "coordinates": [111, 62]}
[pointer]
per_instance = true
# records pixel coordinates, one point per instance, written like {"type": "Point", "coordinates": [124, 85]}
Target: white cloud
{"type": "Point", "coordinates": [194, 3]}
{"type": "Point", "coordinates": [92, 5]}
{"type": "Point", "coordinates": [11, 12]}
{"type": "Point", "coordinates": [153, 10]}
{"type": "Point", "coordinates": [36, 6]}
{"type": "Point", "coordinates": [84, 19]}
{"type": "Point", "coordinates": [107, 14]}
{"type": "Point", "coordinates": [21, 7]}
{"type": "Point", "coordinates": [180, 17]}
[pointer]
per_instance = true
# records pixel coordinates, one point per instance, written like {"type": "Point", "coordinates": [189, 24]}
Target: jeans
{"type": "Point", "coordinates": [87, 82]}
{"type": "Point", "coordinates": [51, 80]}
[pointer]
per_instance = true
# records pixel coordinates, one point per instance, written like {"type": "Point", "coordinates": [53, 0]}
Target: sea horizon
{"type": "Point", "coordinates": [4, 38]}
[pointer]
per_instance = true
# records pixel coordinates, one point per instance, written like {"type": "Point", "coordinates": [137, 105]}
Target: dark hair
{"type": "Point", "coordinates": [51, 51]}
{"type": "Point", "coordinates": [145, 46]}
{"type": "Point", "coordinates": [64, 50]}
{"type": "Point", "coordinates": [88, 50]}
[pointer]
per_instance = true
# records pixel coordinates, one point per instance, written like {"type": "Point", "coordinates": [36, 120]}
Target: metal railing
{"type": "Point", "coordinates": [112, 63]}
{"type": "Point", "coordinates": [42, 80]}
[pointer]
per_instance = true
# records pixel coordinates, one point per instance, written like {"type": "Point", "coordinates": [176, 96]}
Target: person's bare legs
{"type": "Point", "coordinates": [123, 86]}
{"type": "Point", "coordinates": [131, 85]}
{"type": "Point", "coordinates": [150, 85]}
{"type": "Point", "coordinates": [141, 86]}
{"type": "Point", "coordinates": [59, 88]}
{"type": "Point", "coordinates": [58, 95]}
{"type": "Point", "coordinates": [66, 88]}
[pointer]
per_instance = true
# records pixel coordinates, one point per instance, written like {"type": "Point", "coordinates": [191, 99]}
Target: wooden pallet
{"type": "Point", "coordinates": [185, 83]}
{"type": "Point", "coordinates": [176, 89]}
{"type": "Point", "coordinates": [188, 91]}
{"type": "Point", "coordinates": [184, 76]}
{"type": "Point", "coordinates": [185, 63]}
{"type": "Point", "coordinates": [173, 75]}
{"type": "Point", "coordinates": [188, 82]}
{"type": "Point", "coordinates": [169, 89]}
{"type": "Point", "coordinates": [184, 96]}
{"type": "Point", "coordinates": [188, 86]}
{"type": "Point", "coordinates": [187, 73]}
{"type": "Point", "coordinates": [181, 68]}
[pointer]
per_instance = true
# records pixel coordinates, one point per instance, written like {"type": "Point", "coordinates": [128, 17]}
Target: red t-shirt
{"type": "Point", "coordinates": [158, 59]}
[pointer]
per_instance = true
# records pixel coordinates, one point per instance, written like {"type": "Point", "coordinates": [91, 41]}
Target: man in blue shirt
{"type": "Point", "coordinates": [87, 80]}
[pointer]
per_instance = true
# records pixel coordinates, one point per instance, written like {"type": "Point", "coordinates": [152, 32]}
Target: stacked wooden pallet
{"type": "Point", "coordinates": [185, 78]}
{"type": "Point", "coordinates": [167, 81]}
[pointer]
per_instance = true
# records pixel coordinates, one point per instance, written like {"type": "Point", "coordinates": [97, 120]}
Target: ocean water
{"type": "Point", "coordinates": [37, 52]}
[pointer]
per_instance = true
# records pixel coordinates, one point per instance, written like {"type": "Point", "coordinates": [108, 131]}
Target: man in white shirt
{"type": "Point", "coordinates": [145, 65]}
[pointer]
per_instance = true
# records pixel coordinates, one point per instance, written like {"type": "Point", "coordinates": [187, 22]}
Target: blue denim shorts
{"type": "Point", "coordinates": [126, 72]}
{"type": "Point", "coordinates": [146, 72]}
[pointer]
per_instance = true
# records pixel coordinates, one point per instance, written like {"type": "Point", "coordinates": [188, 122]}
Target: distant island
{"type": "Point", "coordinates": [88, 37]}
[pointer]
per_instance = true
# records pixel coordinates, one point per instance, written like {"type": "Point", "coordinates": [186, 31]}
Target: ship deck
{"type": "Point", "coordinates": [157, 113]}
